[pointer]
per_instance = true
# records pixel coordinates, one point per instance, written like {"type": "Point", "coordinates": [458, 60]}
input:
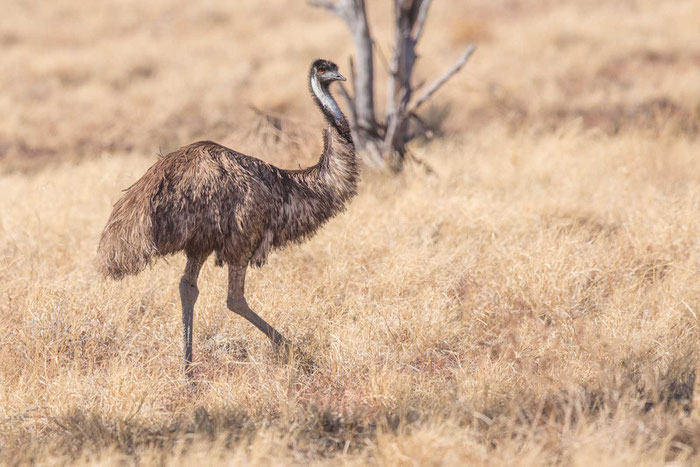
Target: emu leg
{"type": "Point", "coordinates": [188, 296]}
{"type": "Point", "coordinates": [237, 303]}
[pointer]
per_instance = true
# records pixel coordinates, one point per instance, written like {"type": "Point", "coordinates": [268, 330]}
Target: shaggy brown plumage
{"type": "Point", "coordinates": [206, 198]}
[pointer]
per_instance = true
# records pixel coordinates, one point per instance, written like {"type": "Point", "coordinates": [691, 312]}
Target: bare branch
{"type": "Point", "coordinates": [347, 10]}
{"type": "Point", "coordinates": [427, 131]}
{"type": "Point", "coordinates": [350, 101]}
{"type": "Point", "coordinates": [421, 163]}
{"type": "Point", "coordinates": [329, 5]}
{"type": "Point", "coordinates": [353, 73]}
{"type": "Point", "coordinates": [380, 54]}
{"type": "Point", "coordinates": [354, 13]}
{"type": "Point", "coordinates": [422, 16]}
{"type": "Point", "coordinates": [425, 95]}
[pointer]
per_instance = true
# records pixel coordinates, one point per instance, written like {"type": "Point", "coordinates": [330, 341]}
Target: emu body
{"type": "Point", "coordinates": [205, 198]}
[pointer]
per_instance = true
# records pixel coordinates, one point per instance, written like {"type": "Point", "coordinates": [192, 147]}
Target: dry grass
{"type": "Point", "coordinates": [533, 302]}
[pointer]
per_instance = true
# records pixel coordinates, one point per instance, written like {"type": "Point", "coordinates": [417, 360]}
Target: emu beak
{"type": "Point", "coordinates": [339, 77]}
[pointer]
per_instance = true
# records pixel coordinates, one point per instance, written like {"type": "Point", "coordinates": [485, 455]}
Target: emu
{"type": "Point", "coordinates": [206, 198]}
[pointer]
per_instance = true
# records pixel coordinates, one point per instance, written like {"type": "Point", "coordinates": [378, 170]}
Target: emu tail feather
{"type": "Point", "coordinates": [126, 246]}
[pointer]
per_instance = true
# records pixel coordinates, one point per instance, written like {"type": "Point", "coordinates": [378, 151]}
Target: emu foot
{"type": "Point", "coordinates": [191, 376]}
{"type": "Point", "coordinates": [292, 354]}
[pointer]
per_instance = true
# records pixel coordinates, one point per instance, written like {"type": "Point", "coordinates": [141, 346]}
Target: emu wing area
{"type": "Point", "coordinates": [209, 198]}
{"type": "Point", "coordinates": [199, 199]}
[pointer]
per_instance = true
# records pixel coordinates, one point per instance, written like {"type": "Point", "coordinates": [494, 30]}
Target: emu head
{"type": "Point", "coordinates": [326, 71]}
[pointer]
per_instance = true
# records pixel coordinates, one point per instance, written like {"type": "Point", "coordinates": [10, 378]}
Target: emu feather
{"type": "Point", "coordinates": [205, 198]}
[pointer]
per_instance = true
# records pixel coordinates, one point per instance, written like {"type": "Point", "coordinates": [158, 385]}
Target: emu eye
{"type": "Point", "coordinates": [321, 72]}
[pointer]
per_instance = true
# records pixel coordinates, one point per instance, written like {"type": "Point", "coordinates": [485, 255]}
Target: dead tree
{"type": "Point", "coordinates": [383, 143]}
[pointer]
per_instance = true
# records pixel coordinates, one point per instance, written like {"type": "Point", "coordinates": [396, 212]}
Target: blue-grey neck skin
{"type": "Point", "coordinates": [329, 106]}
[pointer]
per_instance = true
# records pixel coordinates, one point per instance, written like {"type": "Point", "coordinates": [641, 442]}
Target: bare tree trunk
{"type": "Point", "coordinates": [354, 14]}
{"type": "Point", "coordinates": [364, 123]}
{"type": "Point", "coordinates": [406, 14]}
{"type": "Point", "coordinates": [384, 143]}
{"type": "Point", "coordinates": [363, 75]}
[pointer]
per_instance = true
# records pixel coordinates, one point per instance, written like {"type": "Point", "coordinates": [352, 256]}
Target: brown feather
{"type": "Point", "coordinates": [206, 198]}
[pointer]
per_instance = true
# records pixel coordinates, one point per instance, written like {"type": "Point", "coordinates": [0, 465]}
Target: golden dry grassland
{"type": "Point", "coordinates": [534, 301]}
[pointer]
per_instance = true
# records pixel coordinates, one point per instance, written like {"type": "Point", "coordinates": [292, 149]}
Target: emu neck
{"type": "Point", "coordinates": [337, 168]}
{"type": "Point", "coordinates": [321, 191]}
{"type": "Point", "coordinates": [329, 107]}
{"type": "Point", "coordinates": [336, 171]}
